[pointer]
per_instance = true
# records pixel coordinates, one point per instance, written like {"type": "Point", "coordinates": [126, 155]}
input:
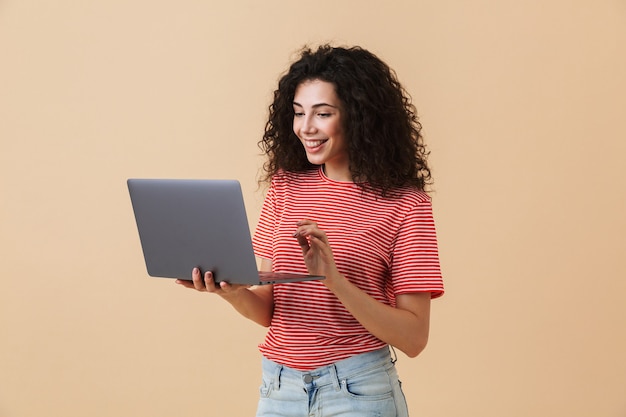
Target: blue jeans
{"type": "Point", "coordinates": [362, 385]}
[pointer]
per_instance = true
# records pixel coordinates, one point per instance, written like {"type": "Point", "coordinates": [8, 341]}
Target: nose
{"type": "Point", "coordinates": [308, 125]}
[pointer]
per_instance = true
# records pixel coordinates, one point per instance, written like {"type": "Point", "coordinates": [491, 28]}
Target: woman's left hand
{"type": "Point", "coordinates": [316, 251]}
{"type": "Point", "coordinates": [404, 326]}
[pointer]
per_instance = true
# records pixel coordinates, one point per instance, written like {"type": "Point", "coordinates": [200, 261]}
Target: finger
{"type": "Point", "coordinates": [314, 232]}
{"type": "Point", "coordinates": [185, 283]}
{"type": "Point", "coordinates": [306, 222]}
{"type": "Point", "coordinates": [304, 227]}
{"type": "Point", "coordinates": [209, 282]}
{"type": "Point", "coordinates": [225, 286]}
{"type": "Point", "coordinates": [318, 244]}
{"type": "Point", "coordinates": [197, 280]}
{"type": "Point", "coordinates": [303, 242]}
{"type": "Point", "coordinates": [322, 247]}
{"type": "Point", "coordinates": [308, 229]}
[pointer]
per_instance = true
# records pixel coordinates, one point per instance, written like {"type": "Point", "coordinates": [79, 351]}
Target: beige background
{"type": "Point", "coordinates": [523, 105]}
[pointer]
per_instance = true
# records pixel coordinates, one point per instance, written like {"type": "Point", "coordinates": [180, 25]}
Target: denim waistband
{"type": "Point", "coordinates": [329, 374]}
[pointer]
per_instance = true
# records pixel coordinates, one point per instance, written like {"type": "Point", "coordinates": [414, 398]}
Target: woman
{"type": "Point", "coordinates": [347, 171]}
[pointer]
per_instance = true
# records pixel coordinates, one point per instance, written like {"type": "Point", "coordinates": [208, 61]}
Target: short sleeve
{"type": "Point", "coordinates": [415, 257]}
{"type": "Point", "coordinates": [264, 233]}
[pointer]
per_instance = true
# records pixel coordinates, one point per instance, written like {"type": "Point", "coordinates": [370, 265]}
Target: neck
{"type": "Point", "coordinates": [337, 174]}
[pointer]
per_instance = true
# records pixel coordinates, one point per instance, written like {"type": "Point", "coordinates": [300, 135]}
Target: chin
{"type": "Point", "coordinates": [316, 161]}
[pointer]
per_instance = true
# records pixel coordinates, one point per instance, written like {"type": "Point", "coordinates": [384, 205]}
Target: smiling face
{"type": "Point", "coordinates": [317, 122]}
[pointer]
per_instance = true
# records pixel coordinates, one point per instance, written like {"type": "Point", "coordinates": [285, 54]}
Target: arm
{"type": "Point", "coordinates": [255, 303]}
{"type": "Point", "coordinates": [406, 326]}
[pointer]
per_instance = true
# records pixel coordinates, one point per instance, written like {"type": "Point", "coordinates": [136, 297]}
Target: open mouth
{"type": "Point", "coordinates": [313, 144]}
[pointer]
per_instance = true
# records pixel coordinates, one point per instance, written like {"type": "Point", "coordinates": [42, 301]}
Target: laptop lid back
{"type": "Point", "coordinates": [184, 224]}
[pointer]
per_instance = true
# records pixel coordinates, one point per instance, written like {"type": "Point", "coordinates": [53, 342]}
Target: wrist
{"type": "Point", "coordinates": [231, 293]}
{"type": "Point", "coordinates": [334, 281]}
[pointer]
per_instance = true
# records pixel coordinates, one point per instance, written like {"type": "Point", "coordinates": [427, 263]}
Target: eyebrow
{"type": "Point", "coordinates": [295, 103]}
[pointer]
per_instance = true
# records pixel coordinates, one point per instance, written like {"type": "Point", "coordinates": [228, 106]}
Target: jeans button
{"type": "Point", "coordinates": [307, 379]}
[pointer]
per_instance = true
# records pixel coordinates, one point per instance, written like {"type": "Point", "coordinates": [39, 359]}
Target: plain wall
{"type": "Point", "coordinates": [523, 106]}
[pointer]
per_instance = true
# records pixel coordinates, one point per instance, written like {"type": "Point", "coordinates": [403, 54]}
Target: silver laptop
{"type": "Point", "coordinates": [184, 224]}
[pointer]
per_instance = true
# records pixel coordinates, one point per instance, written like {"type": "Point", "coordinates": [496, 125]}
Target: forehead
{"type": "Point", "coordinates": [316, 91]}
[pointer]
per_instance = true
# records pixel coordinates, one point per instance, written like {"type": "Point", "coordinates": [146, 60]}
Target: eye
{"type": "Point", "coordinates": [324, 115]}
{"type": "Point", "coordinates": [298, 114]}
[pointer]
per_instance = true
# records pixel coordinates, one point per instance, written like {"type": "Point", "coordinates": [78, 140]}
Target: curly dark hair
{"type": "Point", "coordinates": [385, 146]}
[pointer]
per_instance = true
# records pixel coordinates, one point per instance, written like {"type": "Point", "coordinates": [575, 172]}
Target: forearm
{"type": "Point", "coordinates": [255, 303]}
{"type": "Point", "coordinates": [405, 326]}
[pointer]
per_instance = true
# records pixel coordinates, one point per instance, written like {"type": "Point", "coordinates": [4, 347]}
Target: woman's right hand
{"type": "Point", "coordinates": [207, 284]}
{"type": "Point", "coordinates": [253, 302]}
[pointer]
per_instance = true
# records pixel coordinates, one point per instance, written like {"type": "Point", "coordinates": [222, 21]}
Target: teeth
{"type": "Point", "coordinates": [314, 143]}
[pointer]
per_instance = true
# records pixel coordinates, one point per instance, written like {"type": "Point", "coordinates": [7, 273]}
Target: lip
{"type": "Point", "coordinates": [314, 144]}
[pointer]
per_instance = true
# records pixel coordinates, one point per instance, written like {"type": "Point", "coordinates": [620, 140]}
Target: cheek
{"type": "Point", "coordinates": [337, 131]}
{"type": "Point", "coordinates": [296, 126]}
{"type": "Point", "coordinates": [336, 127]}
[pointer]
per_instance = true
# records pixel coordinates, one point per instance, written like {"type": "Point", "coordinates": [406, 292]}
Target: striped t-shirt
{"type": "Point", "coordinates": [385, 246]}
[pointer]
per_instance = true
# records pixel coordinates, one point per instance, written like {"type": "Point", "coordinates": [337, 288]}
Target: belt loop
{"type": "Point", "coordinates": [394, 357]}
{"type": "Point", "coordinates": [335, 377]}
{"type": "Point", "coordinates": [277, 373]}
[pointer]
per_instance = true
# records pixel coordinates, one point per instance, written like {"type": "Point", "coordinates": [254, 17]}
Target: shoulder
{"type": "Point", "coordinates": [408, 196]}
